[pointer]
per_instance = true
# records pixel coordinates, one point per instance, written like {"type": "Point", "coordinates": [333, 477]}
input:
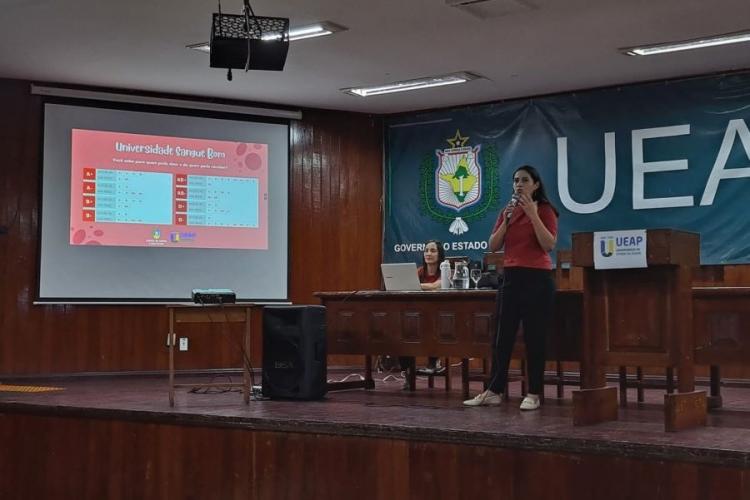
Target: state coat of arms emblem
{"type": "Point", "coordinates": [457, 181]}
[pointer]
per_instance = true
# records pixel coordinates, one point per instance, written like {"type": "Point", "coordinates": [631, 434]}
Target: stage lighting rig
{"type": "Point", "coordinates": [247, 41]}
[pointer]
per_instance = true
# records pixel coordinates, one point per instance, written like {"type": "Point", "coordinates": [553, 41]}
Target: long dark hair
{"type": "Point", "coordinates": [540, 195]}
{"type": "Point", "coordinates": [441, 256]}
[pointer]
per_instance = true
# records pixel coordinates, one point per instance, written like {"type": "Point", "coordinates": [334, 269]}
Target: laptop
{"type": "Point", "coordinates": [401, 276]}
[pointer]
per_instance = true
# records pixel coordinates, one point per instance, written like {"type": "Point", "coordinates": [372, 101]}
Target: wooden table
{"type": "Point", "coordinates": [457, 323]}
{"type": "Point", "coordinates": [235, 313]}
{"type": "Point", "coordinates": [460, 323]}
{"type": "Point", "coordinates": [721, 327]}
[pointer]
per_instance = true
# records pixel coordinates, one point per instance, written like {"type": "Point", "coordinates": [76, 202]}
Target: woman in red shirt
{"type": "Point", "coordinates": [429, 277]}
{"type": "Point", "coordinates": [429, 271]}
{"type": "Point", "coordinates": [527, 230]}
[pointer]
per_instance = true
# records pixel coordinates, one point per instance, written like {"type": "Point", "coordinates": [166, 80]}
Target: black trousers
{"type": "Point", "coordinates": [527, 297]}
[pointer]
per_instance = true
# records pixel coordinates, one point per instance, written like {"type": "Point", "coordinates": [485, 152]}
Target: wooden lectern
{"type": "Point", "coordinates": [639, 317]}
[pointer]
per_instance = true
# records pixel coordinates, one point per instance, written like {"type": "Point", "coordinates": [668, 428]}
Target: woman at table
{"type": "Point", "coordinates": [429, 271]}
{"type": "Point", "coordinates": [527, 230]}
{"type": "Point", "coordinates": [429, 277]}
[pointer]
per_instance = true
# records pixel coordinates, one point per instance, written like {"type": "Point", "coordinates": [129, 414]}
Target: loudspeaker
{"type": "Point", "coordinates": [294, 352]}
{"type": "Point", "coordinates": [267, 38]}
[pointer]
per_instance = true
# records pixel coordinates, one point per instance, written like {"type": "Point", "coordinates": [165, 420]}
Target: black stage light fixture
{"type": "Point", "coordinates": [248, 41]}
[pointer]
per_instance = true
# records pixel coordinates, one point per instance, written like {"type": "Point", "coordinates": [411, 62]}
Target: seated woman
{"type": "Point", "coordinates": [429, 277]}
{"type": "Point", "coordinates": [429, 271]}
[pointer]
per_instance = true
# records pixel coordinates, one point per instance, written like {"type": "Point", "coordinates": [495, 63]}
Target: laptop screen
{"type": "Point", "coordinates": [401, 276]}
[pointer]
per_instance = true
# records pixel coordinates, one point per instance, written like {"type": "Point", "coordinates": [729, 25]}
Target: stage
{"type": "Point", "coordinates": [117, 437]}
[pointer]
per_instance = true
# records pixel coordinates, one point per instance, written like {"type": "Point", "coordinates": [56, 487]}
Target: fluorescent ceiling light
{"type": "Point", "coordinates": [420, 83]}
{"type": "Point", "coordinates": [698, 43]}
{"type": "Point", "coordinates": [202, 47]}
{"type": "Point", "coordinates": [313, 30]}
{"type": "Point", "coordinates": [310, 31]}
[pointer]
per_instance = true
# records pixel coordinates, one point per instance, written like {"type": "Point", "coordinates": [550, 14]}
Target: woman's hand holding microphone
{"type": "Point", "coordinates": [523, 200]}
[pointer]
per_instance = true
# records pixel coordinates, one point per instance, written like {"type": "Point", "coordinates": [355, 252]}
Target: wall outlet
{"type": "Point", "coordinates": [183, 343]}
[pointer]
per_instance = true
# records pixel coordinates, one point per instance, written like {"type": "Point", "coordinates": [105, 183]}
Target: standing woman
{"type": "Point", "coordinates": [527, 229]}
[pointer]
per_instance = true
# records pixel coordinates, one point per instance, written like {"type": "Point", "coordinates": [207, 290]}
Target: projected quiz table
{"type": "Point", "coordinates": [136, 197]}
{"type": "Point", "coordinates": [237, 313]}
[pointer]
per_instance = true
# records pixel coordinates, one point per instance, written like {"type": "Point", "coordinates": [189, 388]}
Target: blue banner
{"type": "Point", "coordinates": [672, 154]}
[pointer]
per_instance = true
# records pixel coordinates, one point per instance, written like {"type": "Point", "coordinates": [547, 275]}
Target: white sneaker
{"type": "Point", "coordinates": [486, 398]}
{"type": "Point", "coordinates": [530, 402]}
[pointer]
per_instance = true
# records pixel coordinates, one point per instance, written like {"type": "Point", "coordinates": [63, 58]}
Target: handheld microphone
{"type": "Point", "coordinates": [511, 206]}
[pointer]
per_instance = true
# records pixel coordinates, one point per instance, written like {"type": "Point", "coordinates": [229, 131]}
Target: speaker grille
{"type": "Point", "coordinates": [261, 28]}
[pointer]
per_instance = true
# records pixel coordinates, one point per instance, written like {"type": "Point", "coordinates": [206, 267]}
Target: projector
{"type": "Point", "coordinates": [214, 296]}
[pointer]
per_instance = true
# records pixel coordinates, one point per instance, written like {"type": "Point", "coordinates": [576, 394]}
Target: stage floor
{"type": "Point", "coordinates": [432, 415]}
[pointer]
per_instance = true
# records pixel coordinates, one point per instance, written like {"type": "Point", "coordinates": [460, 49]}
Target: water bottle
{"type": "Point", "coordinates": [445, 274]}
{"type": "Point", "coordinates": [461, 276]}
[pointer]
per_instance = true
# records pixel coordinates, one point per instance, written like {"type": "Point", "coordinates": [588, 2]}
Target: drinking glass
{"type": "Point", "coordinates": [476, 274]}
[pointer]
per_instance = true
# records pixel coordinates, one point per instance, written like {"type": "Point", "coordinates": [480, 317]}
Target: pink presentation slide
{"type": "Point", "coordinates": [157, 191]}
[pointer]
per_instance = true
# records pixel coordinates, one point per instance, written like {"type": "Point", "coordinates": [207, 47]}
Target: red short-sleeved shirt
{"type": "Point", "coordinates": [427, 278]}
{"type": "Point", "coordinates": [521, 247]}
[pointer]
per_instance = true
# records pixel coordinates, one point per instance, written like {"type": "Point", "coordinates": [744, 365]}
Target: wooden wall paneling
{"type": "Point", "coordinates": [19, 127]}
{"type": "Point", "coordinates": [708, 275]}
{"type": "Point", "coordinates": [335, 228]}
{"type": "Point", "coordinates": [302, 244]}
{"type": "Point", "coordinates": [722, 275]}
{"type": "Point", "coordinates": [737, 275]}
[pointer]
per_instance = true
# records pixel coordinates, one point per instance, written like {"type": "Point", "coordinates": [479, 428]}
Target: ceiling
{"type": "Point", "coordinates": [537, 47]}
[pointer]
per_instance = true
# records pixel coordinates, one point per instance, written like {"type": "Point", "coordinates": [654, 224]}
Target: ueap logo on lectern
{"type": "Point", "coordinates": [607, 246]}
{"type": "Point", "coordinates": [463, 183]}
{"type": "Point", "coordinates": [619, 249]}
